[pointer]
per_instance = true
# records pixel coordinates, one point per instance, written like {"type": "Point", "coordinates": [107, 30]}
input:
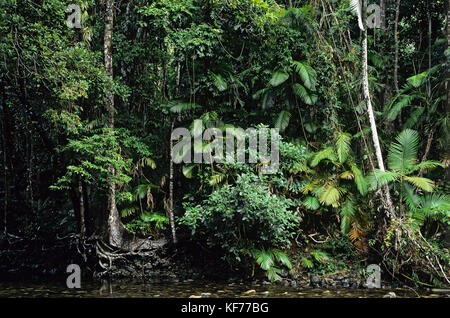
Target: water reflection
{"type": "Point", "coordinates": [194, 289]}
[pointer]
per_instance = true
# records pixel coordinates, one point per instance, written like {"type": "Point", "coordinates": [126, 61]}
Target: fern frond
{"type": "Point", "coordinates": [422, 183]}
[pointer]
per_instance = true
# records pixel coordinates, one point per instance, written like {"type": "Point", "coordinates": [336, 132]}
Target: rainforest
{"type": "Point", "coordinates": [137, 137]}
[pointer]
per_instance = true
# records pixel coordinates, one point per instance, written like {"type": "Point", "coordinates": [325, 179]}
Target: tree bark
{"type": "Point", "coordinates": [171, 217]}
{"type": "Point", "coordinates": [373, 126]}
{"type": "Point", "coordinates": [383, 14]}
{"type": "Point", "coordinates": [397, 14]}
{"type": "Point", "coordinates": [447, 82]}
{"type": "Point", "coordinates": [114, 229]}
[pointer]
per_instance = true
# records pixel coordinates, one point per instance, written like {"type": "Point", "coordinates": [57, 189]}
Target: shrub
{"type": "Point", "coordinates": [237, 219]}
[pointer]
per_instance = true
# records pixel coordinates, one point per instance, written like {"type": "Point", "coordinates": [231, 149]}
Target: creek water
{"type": "Point", "coordinates": [197, 288]}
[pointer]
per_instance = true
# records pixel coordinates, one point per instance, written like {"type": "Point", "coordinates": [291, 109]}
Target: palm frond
{"type": "Point", "coordinates": [330, 195]}
{"type": "Point", "coordinates": [422, 183]}
{"type": "Point", "coordinates": [327, 153]}
{"type": "Point", "coordinates": [356, 7]}
{"type": "Point", "coordinates": [311, 203]}
{"type": "Point", "coordinates": [360, 180]}
{"type": "Point", "coordinates": [380, 178]}
{"type": "Point", "coordinates": [347, 214]}
{"type": "Point", "coordinates": [343, 146]}
{"type": "Point", "coordinates": [403, 154]}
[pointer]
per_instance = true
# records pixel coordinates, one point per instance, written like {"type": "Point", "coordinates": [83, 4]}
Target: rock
{"type": "Point", "coordinates": [205, 294]}
{"type": "Point", "coordinates": [314, 280]}
{"type": "Point", "coordinates": [285, 283]}
{"type": "Point", "coordinates": [353, 285]}
{"type": "Point", "coordinates": [340, 277]}
{"type": "Point", "coordinates": [294, 284]}
{"type": "Point", "coordinates": [390, 295]}
{"type": "Point", "coordinates": [251, 291]}
{"type": "Point", "coordinates": [266, 283]}
{"type": "Point", "coordinates": [195, 296]}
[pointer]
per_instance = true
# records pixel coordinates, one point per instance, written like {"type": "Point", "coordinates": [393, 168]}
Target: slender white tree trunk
{"type": "Point", "coordinates": [373, 126]}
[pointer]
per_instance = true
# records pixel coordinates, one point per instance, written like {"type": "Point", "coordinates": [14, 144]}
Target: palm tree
{"type": "Point", "coordinates": [361, 12]}
{"type": "Point", "coordinates": [402, 163]}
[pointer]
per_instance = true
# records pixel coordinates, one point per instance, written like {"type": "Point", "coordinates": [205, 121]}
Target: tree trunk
{"type": "Point", "coordinates": [397, 14]}
{"type": "Point", "coordinates": [447, 82]}
{"type": "Point", "coordinates": [383, 14]}
{"type": "Point", "coordinates": [373, 126]}
{"type": "Point", "coordinates": [114, 230]}
{"type": "Point", "coordinates": [171, 218]}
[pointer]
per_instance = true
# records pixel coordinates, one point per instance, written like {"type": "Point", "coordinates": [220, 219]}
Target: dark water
{"type": "Point", "coordinates": [192, 289]}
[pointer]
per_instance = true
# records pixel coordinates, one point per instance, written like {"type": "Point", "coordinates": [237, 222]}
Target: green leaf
{"type": "Point", "coordinates": [282, 121]}
{"type": "Point", "coordinates": [380, 178]}
{"type": "Point", "coordinates": [422, 183]}
{"type": "Point", "coordinates": [417, 80]}
{"type": "Point", "coordinates": [306, 73]}
{"type": "Point", "coordinates": [327, 153]}
{"type": "Point", "coordinates": [182, 107]}
{"type": "Point", "coordinates": [347, 214]}
{"type": "Point", "coordinates": [188, 170]}
{"type": "Point", "coordinates": [311, 203]}
{"type": "Point", "coordinates": [403, 154]}
{"type": "Point", "coordinates": [278, 78]}
{"type": "Point", "coordinates": [283, 258]}
{"type": "Point", "coordinates": [301, 92]}
{"type": "Point", "coordinates": [343, 146]}
{"type": "Point", "coordinates": [329, 196]}
{"type": "Point", "coordinates": [219, 82]}
{"type": "Point", "coordinates": [360, 180]}
{"type": "Point", "coordinates": [306, 263]}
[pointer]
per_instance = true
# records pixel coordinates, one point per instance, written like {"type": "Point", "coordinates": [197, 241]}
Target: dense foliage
{"type": "Point", "coordinates": [91, 144]}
